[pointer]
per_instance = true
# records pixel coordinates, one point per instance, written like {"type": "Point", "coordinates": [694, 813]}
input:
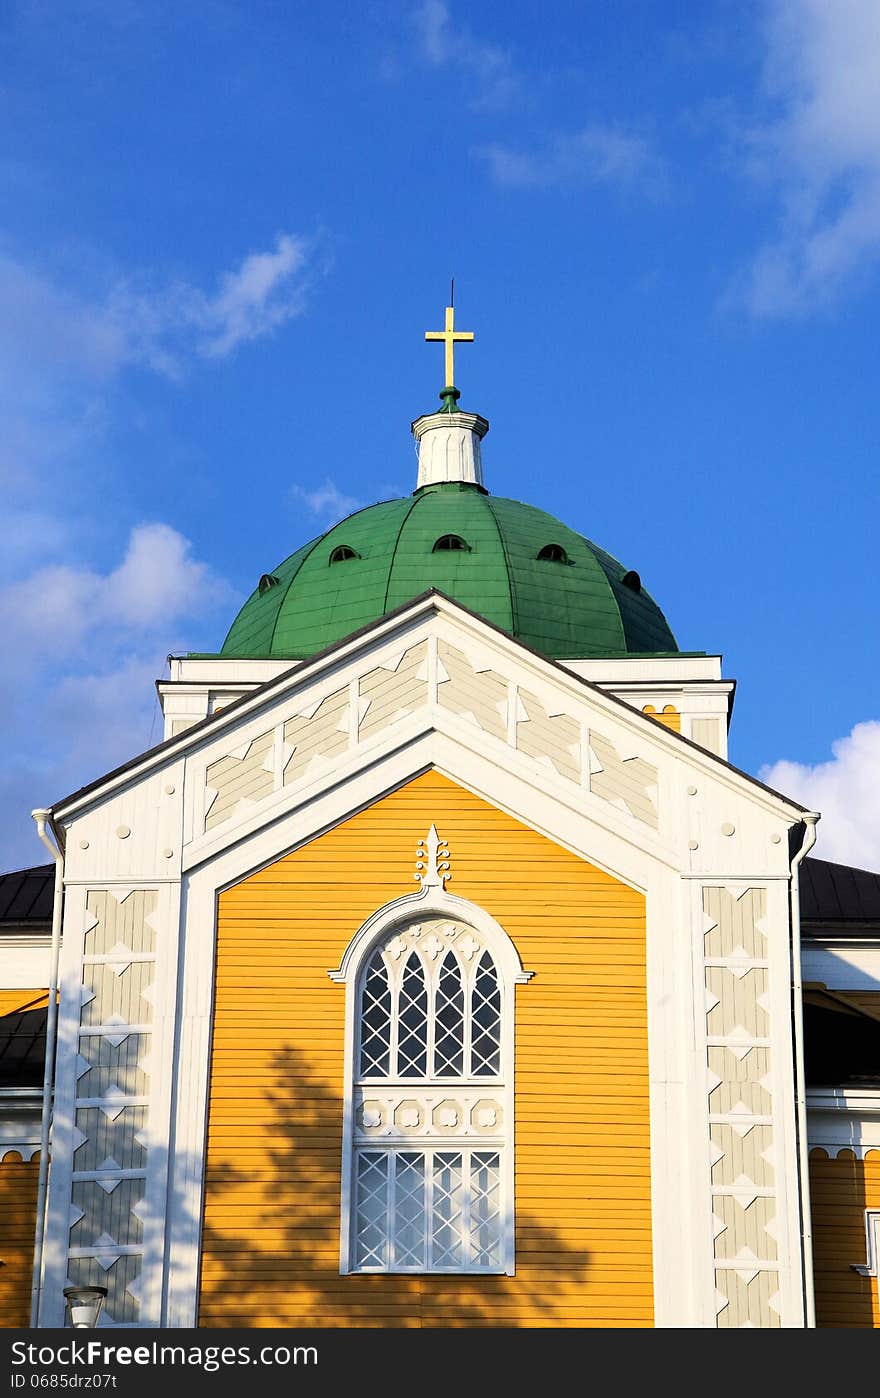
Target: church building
{"type": "Point", "coordinates": [438, 968]}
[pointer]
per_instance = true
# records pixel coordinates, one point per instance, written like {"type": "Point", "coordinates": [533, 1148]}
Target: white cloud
{"type": "Point", "coordinates": [83, 649]}
{"type": "Point", "coordinates": [64, 734]}
{"type": "Point", "coordinates": [84, 641]}
{"type": "Point", "coordinates": [597, 154]}
{"type": "Point", "coordinates": [846, 790]}
{"type": "Point", "coordinates": [106, 716]}
{"type": "Point", "coordinates": [326, 500]}
{"type": "Point", "coordinates": [163, 327]}
{"type": "Point", "coordinates": [139, 321]}
{"type": "Point", "coordinates": [53, 612]}
{"type": "Point", "coordinates": [265, 291]}
{"type": "Point", "coordinates": [822, 150]}
{"type": "Point", "coordinates": [443, 42]}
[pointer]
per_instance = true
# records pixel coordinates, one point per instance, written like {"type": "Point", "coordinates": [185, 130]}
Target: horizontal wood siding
{"type": "Point", "coordinates": [271, 1231]}
{"type": "Point", "coordinates": [17, 1001]}
{"type": "Point", "coordinates": [841, 1189]}
{"type": "Point", "coordinates": [669, 716]}
{"type": "Point", "coordinates": [18, 1219]}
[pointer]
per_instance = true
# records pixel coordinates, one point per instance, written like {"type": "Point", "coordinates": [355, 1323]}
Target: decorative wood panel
{"type": "Point", "coordinates": [105, 1146]}
{"type": "Point", "coordinates": [433, 672]}
{"type": "Point", "coordinates": [741, 1129]}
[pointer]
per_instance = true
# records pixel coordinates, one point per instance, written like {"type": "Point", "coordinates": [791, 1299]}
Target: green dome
{"type": "Point", "coordinates": [577, 603]}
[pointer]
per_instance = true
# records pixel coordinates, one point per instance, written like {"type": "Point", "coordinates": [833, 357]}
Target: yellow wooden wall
{"type": "Point", "coordinates": [669, 717]}
{"type": "Point", "coordinates": [841, 1189]}
{"type": "Point", "coordinates": [18, 1218]}
{"type": "Point", "coordinates": [17, 1001]}
{"type": "Point", "coordinates": [271, 1229]}
{"type": "Point", "coordinates": [18, 1201]}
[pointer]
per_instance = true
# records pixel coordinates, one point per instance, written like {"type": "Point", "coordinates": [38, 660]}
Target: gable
{"type": "Point", "coordinates": [434, 670]}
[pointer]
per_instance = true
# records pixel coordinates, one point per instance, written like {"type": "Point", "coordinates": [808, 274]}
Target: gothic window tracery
{"type": "Point", "coordinates": [430, 1144]}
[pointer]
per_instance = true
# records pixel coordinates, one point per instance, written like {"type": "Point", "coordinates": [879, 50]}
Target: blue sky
{"type": "Point", "coordinates": [224, 228]}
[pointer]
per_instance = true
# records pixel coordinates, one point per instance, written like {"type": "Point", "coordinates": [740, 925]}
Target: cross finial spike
{"type": "Point", "coordinates": [450, 337]}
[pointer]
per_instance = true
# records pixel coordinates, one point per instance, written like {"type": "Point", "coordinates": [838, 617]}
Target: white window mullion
{"type": "Point", "coordinates": [429, 1210]}
{"type": "Point", "coordinates": [394, 989]}
{"type": "Point", "coordinates": [431, 977]}
{"type": "Point", "coordinates": [467, 1247]}
{"type": "Point", "coordinates": [391, 1245]}
{"type": "Point", "coordinates": [466, 988]}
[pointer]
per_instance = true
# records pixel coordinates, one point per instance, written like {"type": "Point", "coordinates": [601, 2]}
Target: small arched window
{"type": "Point", "coordinates": [450, 543]}
{"type": "Point", "coordinates": [552, 553]}
{"type": "Point", "coordinates": [431, 1167]}
{"type": "Point", "coordinates": [632, 581]}
{"type": "Point", "coordinates": [343, 553]}
{"type": "Point", "coordinates": [267, 581]}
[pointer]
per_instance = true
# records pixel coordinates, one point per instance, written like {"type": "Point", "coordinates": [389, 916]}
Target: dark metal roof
{"type": "Point", "coordinates": [26, 897]}
{"type": "Point", "coordinates": [23, 1044]}
{"type": "Point", "coordinates": [838, 900]}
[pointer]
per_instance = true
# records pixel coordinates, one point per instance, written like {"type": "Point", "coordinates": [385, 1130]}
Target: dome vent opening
{"type": "Point", "coordinates": [450, 543]}
{"type": "Point", "coordinates": [632, 581]}
{"type": "Point", "coordinates": [552, 553]}
{"type": "Point", "coordinates": [343, 553]}
{"type": "Point", "coordinates": [266, 581]}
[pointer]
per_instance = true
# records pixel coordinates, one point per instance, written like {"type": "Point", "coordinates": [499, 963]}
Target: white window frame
{"type": "Point", "coordinates": [430, 902]}
{"type": "Point", "coordinates": [872, 1245]}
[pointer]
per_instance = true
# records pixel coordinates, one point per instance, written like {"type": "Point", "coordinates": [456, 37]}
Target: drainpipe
{"type": "Point", "coordinates": [41, 817]}
{"type": "Point", "coordinates": [810, 818]}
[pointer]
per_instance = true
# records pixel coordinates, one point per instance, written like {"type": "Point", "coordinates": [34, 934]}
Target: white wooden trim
{"type": "Point", "coordinates": [842, 965]}
{"type": "Point", "coordinates": [872, 1245]}
{"type": "Point", "coordinates": [407, 629]}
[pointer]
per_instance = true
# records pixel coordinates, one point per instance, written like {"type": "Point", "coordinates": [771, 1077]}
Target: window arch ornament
{"type": "Point", "coordinates": [428, 1111]}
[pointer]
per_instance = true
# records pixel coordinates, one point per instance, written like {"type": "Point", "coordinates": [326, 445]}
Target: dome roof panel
{"type": "Point", "coordinates": [566, 608]}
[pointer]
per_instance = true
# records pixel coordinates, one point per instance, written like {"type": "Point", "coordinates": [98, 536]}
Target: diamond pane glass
{"type": "Point", "coordinates": [485, 1194]}
{"type": "Point", "coordinates": [486, 1020]}
{"type": "Point", "coordinates": [409, 1211]}
{"type": "Point", "coordinates": [412, 1026]}
{"type": "Point", "coordinates": [375, 1019]}
{"type": "Point", "coordinates": [371, 1210]}
{"type": "Point", "coordinates": [449, 1021]}
{"type": "Point", "coordinates": [448, 1222]}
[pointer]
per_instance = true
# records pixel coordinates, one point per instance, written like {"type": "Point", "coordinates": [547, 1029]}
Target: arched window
{"type": "Point", "coordinates": [343, 553]}
{"type": "Point", "coordinates": [430, 1166]}
{"type": "Point", "coordinates": [552, 553]}
{"type": "Point", "coordinates": [450, 543]}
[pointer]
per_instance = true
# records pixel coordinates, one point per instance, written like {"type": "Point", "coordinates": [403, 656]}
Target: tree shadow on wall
{"type": "Point", "coordinates": [270, 1243]}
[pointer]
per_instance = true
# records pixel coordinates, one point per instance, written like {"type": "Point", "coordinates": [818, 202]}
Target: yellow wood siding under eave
{"type": "Point", "coordinates": [17, 1001]}
{"type": "Point", "coordinates": [583, 1198]}
{"type": "Point", "coordinates": [670, 717]}
{"type": "Point", "coordinates": [18, 1221]}
{"type": "Point", "coordinates": [841, 1189]}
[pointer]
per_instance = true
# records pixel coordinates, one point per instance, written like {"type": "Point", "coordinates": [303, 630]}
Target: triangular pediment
{"type": "Point", "coordinates": [433, 668]}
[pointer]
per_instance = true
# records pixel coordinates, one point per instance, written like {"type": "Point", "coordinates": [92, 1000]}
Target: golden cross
{"type": "Point", "coordinates": [449, 336]}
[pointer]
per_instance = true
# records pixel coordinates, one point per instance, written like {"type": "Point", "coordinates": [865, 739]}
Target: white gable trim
{"type": "Point", "coordinates": [402, 630]}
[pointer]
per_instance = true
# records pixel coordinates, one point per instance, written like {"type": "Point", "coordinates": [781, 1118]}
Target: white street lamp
{"type": "Point", "coordinates": [84, 1305]}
